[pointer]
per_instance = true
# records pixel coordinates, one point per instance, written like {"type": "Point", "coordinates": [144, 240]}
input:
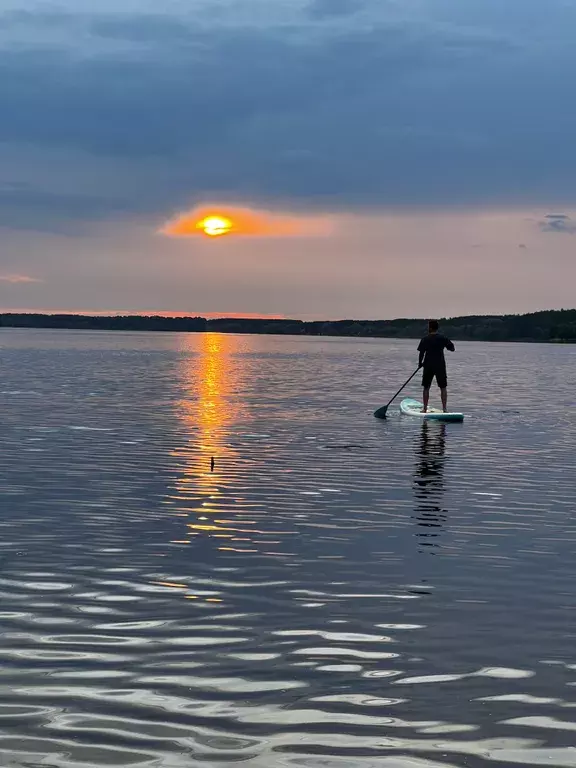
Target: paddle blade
{"type": "Point", "coordinates": [381, 412]}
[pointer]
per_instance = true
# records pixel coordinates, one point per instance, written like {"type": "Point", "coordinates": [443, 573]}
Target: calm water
{"type": "Point", "coordinates": [338, 592]}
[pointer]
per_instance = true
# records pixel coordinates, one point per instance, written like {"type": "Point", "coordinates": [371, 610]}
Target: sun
{"type": "Point", "coordinates": [215, 226]}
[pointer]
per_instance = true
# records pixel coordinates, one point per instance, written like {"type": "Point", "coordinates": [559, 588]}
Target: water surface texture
{"type": "Point", "coordinates": [331, 591]}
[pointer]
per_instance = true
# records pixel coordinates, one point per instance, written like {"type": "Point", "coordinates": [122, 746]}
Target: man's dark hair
{"type": "Point", "coordinates": [433, 325]}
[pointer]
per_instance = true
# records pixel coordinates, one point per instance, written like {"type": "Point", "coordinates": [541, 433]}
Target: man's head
{"type": "Point", "coordinates": [433, 326]}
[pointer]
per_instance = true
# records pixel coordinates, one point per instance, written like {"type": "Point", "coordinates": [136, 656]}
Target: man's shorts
{"type": "Point", "coordinates": [428, 375]}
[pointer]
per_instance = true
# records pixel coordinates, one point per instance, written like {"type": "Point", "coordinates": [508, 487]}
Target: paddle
{"type": "Point", "coordinates": [381, 412]}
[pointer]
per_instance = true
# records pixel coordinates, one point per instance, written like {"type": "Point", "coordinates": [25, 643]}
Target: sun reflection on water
{"type": "Point", "coordinates": [217, 460]}
{"type": "Point", "coordinates": [207, 411]}
{"type": "Point", "coordinates": [208, 491]}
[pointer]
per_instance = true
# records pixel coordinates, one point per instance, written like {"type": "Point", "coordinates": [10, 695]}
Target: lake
{"type": "Point", "coordinates": [211, 553]}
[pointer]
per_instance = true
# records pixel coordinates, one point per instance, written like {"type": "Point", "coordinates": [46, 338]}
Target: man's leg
{"type": "Point", "coordinates": [425, 398]}
{"type": "Point", "coordinates": [442, 380]}
{"type": "Point", "coordinates": [427, 379]}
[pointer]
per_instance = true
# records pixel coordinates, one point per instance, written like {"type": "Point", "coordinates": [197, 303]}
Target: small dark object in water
{"type": "Point", "coordinates": [348, 447]}
{"type": "Point", "coordinates": [212, 464]}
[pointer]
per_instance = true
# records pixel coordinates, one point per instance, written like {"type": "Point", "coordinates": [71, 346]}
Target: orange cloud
{"type": "Point", "coordinates": [18, 279]}
{"type": "Point", "coordinates": [246, 222]}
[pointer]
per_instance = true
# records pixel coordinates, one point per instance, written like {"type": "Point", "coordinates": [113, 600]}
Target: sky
{"type": "Point", "coordinates": [397, 158]}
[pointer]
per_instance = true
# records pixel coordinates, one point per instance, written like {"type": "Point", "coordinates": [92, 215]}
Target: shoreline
{"type": "Point", "coordinates": [548, 326]}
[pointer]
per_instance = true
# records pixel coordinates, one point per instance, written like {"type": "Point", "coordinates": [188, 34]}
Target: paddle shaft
{"type": "Point", "coordinates": [402, 387]}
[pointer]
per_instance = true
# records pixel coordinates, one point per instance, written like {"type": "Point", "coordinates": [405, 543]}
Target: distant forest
{"type": "Point", "coordinates": [549, 326]}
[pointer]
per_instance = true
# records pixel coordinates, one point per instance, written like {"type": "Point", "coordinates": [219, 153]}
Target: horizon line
{"type": "Point", "coordinates": [255, 316]}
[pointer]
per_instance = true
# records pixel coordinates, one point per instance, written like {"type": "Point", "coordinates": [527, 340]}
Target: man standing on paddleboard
{"type": "Point", "coordinates": [431, 359]}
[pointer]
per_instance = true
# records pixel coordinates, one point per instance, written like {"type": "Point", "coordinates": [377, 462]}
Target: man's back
{"type": "Point", "coordinates": [432, 348]}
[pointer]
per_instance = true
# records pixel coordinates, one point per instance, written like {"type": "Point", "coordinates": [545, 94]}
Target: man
{"type": "Point", "coordinates": [431, 359]}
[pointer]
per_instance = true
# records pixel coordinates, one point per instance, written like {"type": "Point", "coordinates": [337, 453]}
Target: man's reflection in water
{"type": "Point", "coordinates": [429, 486]}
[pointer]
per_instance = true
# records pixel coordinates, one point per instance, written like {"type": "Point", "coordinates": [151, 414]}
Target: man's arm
{"type": "Point", "coordinates": [450, 346]}
{"type": "Point", "coordinates": [422, 353]}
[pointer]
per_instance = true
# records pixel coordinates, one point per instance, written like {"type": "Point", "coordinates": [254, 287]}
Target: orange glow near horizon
{"type": "Point", "coordinates": [146, 313]}
{"type": "Point", "coordinates": [216, 221]}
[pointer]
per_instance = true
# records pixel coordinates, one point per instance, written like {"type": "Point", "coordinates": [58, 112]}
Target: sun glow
{"type": "Point", "coordinates": [215, 226]}
{"type": "Point", "coordinates": [217, 220]}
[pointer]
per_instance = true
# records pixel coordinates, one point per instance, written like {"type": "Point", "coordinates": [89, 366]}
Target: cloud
{"type": "Point", "coordinates": [321, 9]}
{"type": "Point", "coordinates": [558, 222]}
{"type": "Point", "coordinates": [246, 222]}
{"type": "Point", "coordinates": [23, 206]}
{"type": "Point", "coordinates": [330, 105]}
{"type": "Point", "coordinates": [18, 279]}
{"type": "Point", "coordinates": [149, 28]}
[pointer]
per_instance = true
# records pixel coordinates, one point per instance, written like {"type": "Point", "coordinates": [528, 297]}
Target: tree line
{"type": "Point", "coordinates": [546, 326]}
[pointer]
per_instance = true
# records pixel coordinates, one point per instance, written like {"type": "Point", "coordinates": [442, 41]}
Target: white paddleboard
{"type": "Point", "coordinates": [413, 407]}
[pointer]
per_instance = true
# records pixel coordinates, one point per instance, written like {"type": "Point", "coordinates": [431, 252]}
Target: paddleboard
{"type": "Point", "coordinates": [414, 408]}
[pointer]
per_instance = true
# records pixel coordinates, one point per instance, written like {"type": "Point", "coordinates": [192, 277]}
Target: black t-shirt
{"type": "Point", "coordinates": [432, 347]}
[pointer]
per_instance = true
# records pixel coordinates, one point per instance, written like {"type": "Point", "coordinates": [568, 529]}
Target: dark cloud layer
{"type": "Point", "coordinates": [23, 207]}
{"type": "Point", "coordinates": [319, 9]}
{"type": "Point", "coordinates": [346, 106]}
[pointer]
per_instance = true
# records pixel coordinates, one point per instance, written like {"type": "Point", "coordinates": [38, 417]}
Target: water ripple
{"type": "Point", "coordinates": [212, 553]}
